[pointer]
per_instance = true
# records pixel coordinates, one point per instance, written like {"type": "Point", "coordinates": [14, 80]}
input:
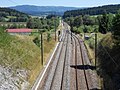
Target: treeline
{"type": "Point", "coordinates": [11, 15]}
{"type": "Point", "coordinates": [13, 25]}
{"type": "Point", "coordinates": [108, 54]}
{"type": "Point", "coordinates": [93, 11]}
{"type": "Point", "coordinates": [82, 23]}
{"type": "Point", "coordinates": [103, 23]}
{"type": "Point", "coordinates": [43, 23]}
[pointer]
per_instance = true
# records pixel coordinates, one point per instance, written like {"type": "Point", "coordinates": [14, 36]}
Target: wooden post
{"type": "Point", "coordinates": [41, 43]}
{"type": "Point", "coordinates": [71, 30]}
{"type": "Point", "coordinates": [95, 50]}
{"type": "Point", "coordinates": [84, 32]}
{"type": "Point", "coordinates": [55, 27]}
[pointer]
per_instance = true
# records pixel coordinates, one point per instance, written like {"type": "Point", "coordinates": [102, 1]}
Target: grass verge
{"type": "Point", "coordinates": [20, 52]}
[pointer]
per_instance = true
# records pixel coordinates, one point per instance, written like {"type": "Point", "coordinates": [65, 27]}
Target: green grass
{"type": "Point", "coordinates": [90, 44]}
{"type": "Point", "coordinates": [13, 23]}
{"type": "Point", "coordinates": [20, 52]}
{"type": "Point", "coordinates": [14, 48]}
{"type": "Point", "coordinates": [11, 17]}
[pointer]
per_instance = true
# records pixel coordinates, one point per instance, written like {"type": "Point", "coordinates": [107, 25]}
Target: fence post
{"type": "Point", "coordinates": [41, 48]}
{"type": "Point", "coordinates": [55, 27]}
{"type": "Point", "coordinates": [95, 50]}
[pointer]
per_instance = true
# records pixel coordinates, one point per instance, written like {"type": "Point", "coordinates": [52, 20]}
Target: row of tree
{"type": "Point", "coordinates": [93, 11]}
{"type": "Point", "coordinates": [35, 23]}
{"type": "Point", "coordinates": [13, 26]}
{"type": "Point", "coordinates": [110, 23]}
{"type": "Point", "coordinates": [81, 20]}
{"type": "Point", "coordinates": [41, 23]}
{"type": "Point", "coordinates": [105, 22]}
{"type": "Point", "coordinates": [116, 28]}
{"type": "Point", "coordinates": [84, 22]}
{"type": "Point", "coordinates": [11, 15]}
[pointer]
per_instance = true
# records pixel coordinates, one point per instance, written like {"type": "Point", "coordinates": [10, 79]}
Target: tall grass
{"type": "Point", "coordinates": [20, 52]}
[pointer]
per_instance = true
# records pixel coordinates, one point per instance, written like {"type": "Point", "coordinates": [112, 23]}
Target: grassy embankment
{"type": "Point", "coordinates": [107, 59]}
{"type": "Point", "coordinates": [109, 62]}
{"type": "Point", "coordinates": [90, 44]}
{"type": "Point", "coordinates": [20, 52]}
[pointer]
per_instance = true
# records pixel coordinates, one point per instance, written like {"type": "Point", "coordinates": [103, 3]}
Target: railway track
{"type": "Point", "coordinates": [68, 69]}
{"type": "Point", "coordinates": [53, 80]}
{"type": "Point", "coordinates": [77, 43]}
{"type": "Point", "coordinates": [55, 75]}
{"type": "Point", "coordinates": [73, 39]}
{"type": "Point", "coordinates": [89, 75]}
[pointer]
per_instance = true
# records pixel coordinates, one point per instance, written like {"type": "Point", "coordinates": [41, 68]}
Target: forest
{"type": "Point", "coordinates": [11, 15]}
{"type": "Point", "coordinates": [93, 11]}
{"type": "Point", "coordinates": [41, 23]}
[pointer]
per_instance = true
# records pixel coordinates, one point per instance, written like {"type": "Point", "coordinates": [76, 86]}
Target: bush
{"type": "Point", "coordinates": [48, 36]}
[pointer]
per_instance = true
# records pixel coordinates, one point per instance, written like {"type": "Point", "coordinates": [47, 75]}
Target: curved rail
{"type": "Point", "coordinates": [75, 37]}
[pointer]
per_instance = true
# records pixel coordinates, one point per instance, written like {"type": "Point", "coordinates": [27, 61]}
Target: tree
{"type": "Point", "coordinates": [92, 11]}
{"type": "Point", "coordinates": [48, 36]}
{"type": "Point", "coordinates": [87, 20]}
{"type": "Point", "coordinates": [103, 23]}
{"type": "Point", "coordinates": [110, 21]}
{"type": "Point", "coordinates": [13, 26]}
{"type": "Point", "coordinates": [116, 28]}
{"type": "Point", "coordinates": [78, 21]}
{"type": "Point", "coordinates": [30, 23]}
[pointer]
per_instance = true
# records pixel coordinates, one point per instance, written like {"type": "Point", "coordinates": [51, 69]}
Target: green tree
{"type": "Point", "coordinates": [78, 21]}
{"type": "Point", "coordinates": [103, 23]}
{"type": "Point", "coordinates": [116, 28]}
{"type": "Point", "coordinates": [110, 21]}
{"type": "Point", "coordinates": [15, 25]}
{"type": "Point", "coordinates": [30, 23]}
{"type": "Point", "coordinates": [87, 20]}
{"type": "Point", "coordinates": [48, 36]}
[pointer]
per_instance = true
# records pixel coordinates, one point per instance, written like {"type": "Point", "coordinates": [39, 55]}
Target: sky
{"type": "Point", "coordinates": [72, 3]}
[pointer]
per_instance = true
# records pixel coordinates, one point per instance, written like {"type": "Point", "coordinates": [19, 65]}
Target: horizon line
{"type": "Point", "coordinates": [57, 6]}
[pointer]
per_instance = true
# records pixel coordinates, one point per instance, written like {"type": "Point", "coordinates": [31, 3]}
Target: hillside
{"type": "Point", "coordinates": [93, 11]}
{"type": "Point", "coordinates": [11, 15]}
{"type": "Point", "coordinates": [109, 62]}
{"type": "Point", "coordinates": [42, 10]}
{"type": "Point", "coordinates": [20, 60]}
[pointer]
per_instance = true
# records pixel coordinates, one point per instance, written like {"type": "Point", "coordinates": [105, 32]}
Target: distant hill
{"type": "Point", "coordinates": [11, 15]}
{"type": "Point", "coordinates": [42, 10]}
{"type": "Point", "coordinates": [93, 11]}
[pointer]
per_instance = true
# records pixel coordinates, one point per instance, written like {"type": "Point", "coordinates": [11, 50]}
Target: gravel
{"type": "Point", "coordinates": [11, 80]}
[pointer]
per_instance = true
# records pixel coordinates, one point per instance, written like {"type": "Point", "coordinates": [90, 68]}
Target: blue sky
{"type": "Point", "coordinates": [73, 3]}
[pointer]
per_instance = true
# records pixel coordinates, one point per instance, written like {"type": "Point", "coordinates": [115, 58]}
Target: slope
{"type": "Point", "coordinates": [9, 15]}
{"type": "Point", "coordinates": [42, 10]}
{"type": "Point", "coordinates": [20, 60]}
{"type": "Point", "coordinates": [93, 11]}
